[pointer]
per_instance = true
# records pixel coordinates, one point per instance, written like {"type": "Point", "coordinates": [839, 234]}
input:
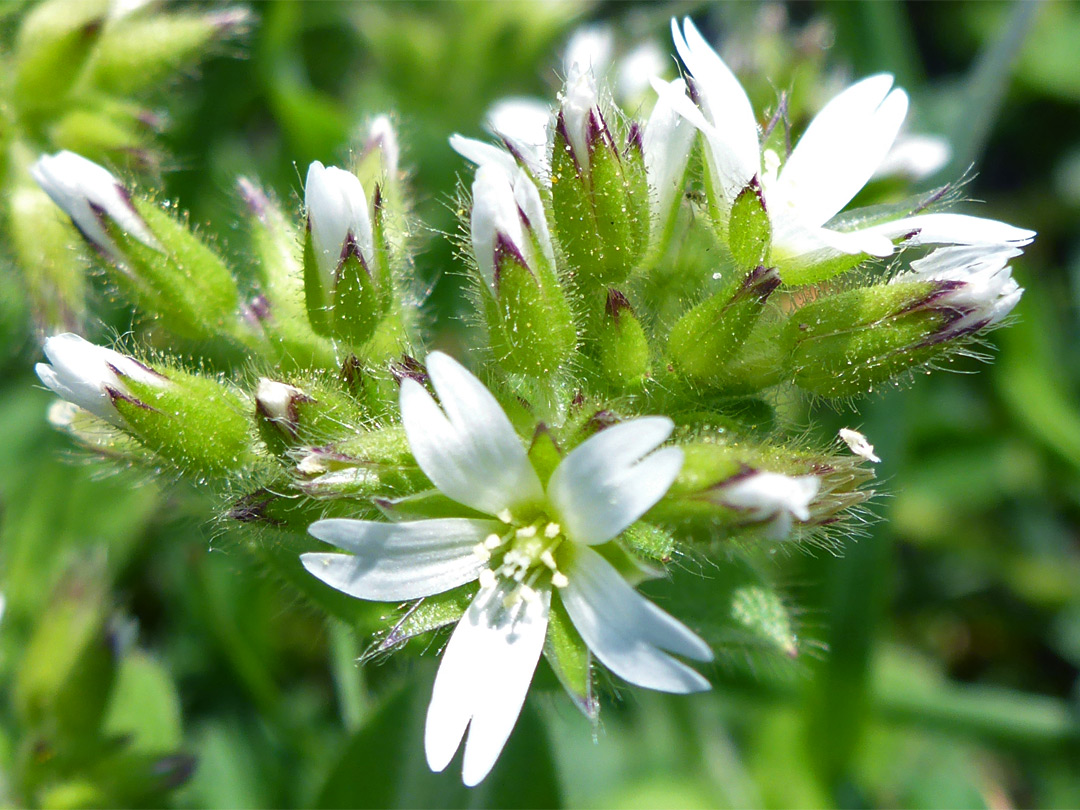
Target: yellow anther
{"type": "Point", "coordinates": [547, 558]}
{"type": "Point", "coordinates": [505, 516]}
{"type": "Point", "coordinates": [559, 580]}
{"type": "Point", "coordinates": [526, 532]}
{"type": "Point", "coordinates": [551, 531]}
{"type": "Point", "coordinates": [480, 551]}
{"type": "Point", "coordinates": [487, 578]}
{"type": "Point", "coordinates": [492, 542]}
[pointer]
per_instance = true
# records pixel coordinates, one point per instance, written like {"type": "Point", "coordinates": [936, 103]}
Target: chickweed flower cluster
{"type": "Point", "coordinates": [643, 281]}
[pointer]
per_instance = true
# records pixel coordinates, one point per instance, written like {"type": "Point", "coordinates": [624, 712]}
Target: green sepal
{"type": "Point", "coordinates": [621, 345]}
{"type": "Point", "coordinates": [426, 505]}
{"type": "Point", "coordinates": [529, 321]}
{"type": "Point", "coordinates": [136, 53]}
{"type": "Point", "coordinates": [708, 337]}
{"type": "Point", "coordinates": [357, 305]}
{"type": "Point", "coordinates": [424, 616]}
{"type": "Point", "coordinates": [847, 343]}
{"type": "Point", "coordinates": [649, 541]}
{"type": "Point", "coordinates": [620, 199]}
{"type": "Point", "coordinates": [193, 285]}
{"type": "Point", "coordinates": [749, 229]}
{"type": "Point", "coordinates": [98, 132]}
{"type": "Point", "coordinates": [280, 308]}
{"type": "Point", "coordinates": [815, 272]}
{"type": "Point", "coordinates": [544, 454]}
{"type": "Point", "coordinates": [316, 288]}
{"type": "Point", "coordinates": [197, 423]}
{"type": "Point", "coordinates": [52, 45]}
{"type": "Point", "coordinates": [570, 659]}
{"type": "Point", "coordinates": [571, 205]}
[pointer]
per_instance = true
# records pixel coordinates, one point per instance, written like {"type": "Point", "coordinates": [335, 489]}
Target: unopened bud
{"type": "Point", "coordinates": [159, 262]}
{"type": "Point", "coordinates": [93, 377]}
{"type": "Point", "coordinates": [847, 343]}
{"type": "Point", "coordinates": [346, 275]}
{"type": "Point", "coordinates": [622, 348]}
{"type": "Point", "coordinates": [599, 188]}
{"type": "Point", "coordinates": [527, 312]}
{"type": "Point", "coordinates": [708, 337]}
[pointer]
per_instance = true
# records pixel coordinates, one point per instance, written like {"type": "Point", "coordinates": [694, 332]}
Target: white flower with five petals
{"type": "Point", "coordinates": [842, 148]}
{"type": "Point", "coordinates": [536, 547]}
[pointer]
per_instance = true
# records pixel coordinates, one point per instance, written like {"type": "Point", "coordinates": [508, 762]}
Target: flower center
{"type": "Point", "coordinates": [522, 558]}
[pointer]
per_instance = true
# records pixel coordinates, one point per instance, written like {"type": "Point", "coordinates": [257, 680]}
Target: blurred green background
{"type": "Point", "coordinates": [941, 651]}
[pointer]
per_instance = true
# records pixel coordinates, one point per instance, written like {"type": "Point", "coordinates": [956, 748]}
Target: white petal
{"type": "Point", "coordinates": [470, 452]}
{"type": "Point", "coordinates": [523, 124]}
{"type": "Point", "coordinates": [667, 140]}
{"type": "Point", "coordinates": [389, 562]}
{"type": "Point", "coordinates": [336, 208]}
{"type": "Point", "coordinates": [951, 229]}
{"type": "Point", "coordinates": [79, 186]}
{"type": "Point", "coordinates": [627, 632]}
{"type": "Point", "coordinates": [484, 677]}
{"type": "Point", "coordinates": [637, 69]}
{"type": "Point", "coordinates": [579, 100]}
{"type": "Point", "coordinates": [839, 151]}
{"type": "Point", "coordinates": [601, 487]}
{"type": "Point", "coordinates": [915, 157]}
{"type": "Point", "coordinates": [481, 153]}
{"type": "Point", "coordinates": [81, 372]}
{"type": "Point", "coordinates": [859, 445]}
{"type": "Point", "coordinates": [796, 246]}
{"type": "Point", "coordinates": [383, 136]}
{"type": "Point", "coordinates": [769, 496]}
{"type": "Point", "coordinates": [733, 141]}
{"type": "Point", "coordinates": [590, 48]}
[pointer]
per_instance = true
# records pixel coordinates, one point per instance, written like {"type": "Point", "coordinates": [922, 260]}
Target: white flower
{"type": "Point", "coordinates": [771, 498]}
{"type": "Point", "coordinates": [976, 285]}
{"type": "Point", "coordinates": [535, 546]}
{"type": "Point", "coordinates": [337, 213]}
{"type": "Point", "coordinates": [91, 376]}
{"type": "Point", "coordinates": [507, 216]}
{"type": "Point", "coordinates": [88, 194]}
{"type": "Point", "coordinates": [839, 152]}
{"type": "Point", "coordinates": [858, 444]}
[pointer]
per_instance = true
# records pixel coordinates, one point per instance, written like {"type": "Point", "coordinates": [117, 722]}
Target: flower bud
{"type": "Point", "coordinates": [291, 415]}
{"type": "Point", "coordinates": [158, 261]}
{"type": "Point", "coordinates": [847, 343]}
{"type": "Point", "coordinates": [346, 274]}
{"type": "Point", "coordinates": [92, 377]}
{"type": "Point", "coordinates": [278, 307]}
{"type": "Point", "coordinates": [527, 313]}
{"type": "Point", "coordinates": [599, 190]}
{"type": "Point", "coordinates": [772, 499]}
{"type": "Point", "coordinates": [137, 52]}
{"type": "Point", "coordinates": [376, 462]}
{"type": "Point", "coordinates": [706, 339]}
{"type": "Point", "coordinates": [764, 488]}
{"type": "Point", "coordinates": [52, 45]}
{"type": "Point", "coordinates": [193, 422]}
{"type": "Point", "coordinates": [622, 348]}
